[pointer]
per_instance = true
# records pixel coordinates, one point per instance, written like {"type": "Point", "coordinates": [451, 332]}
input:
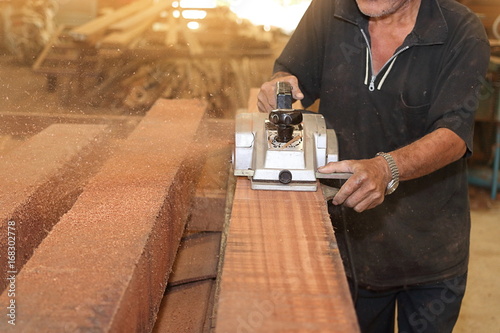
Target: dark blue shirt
{"type": "Point", "coordinates": [421, 232]}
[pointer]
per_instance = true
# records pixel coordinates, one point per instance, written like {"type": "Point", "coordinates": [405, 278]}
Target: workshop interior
{"type": "Point", "coordinates": [131, 143]}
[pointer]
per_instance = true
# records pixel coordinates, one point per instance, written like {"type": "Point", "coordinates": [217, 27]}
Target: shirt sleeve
{"type": "Point", "coordinates": [460, 87]}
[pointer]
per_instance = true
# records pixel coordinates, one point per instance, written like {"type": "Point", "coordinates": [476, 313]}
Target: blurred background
{"type": "Point", "coordinates": [144, 50]}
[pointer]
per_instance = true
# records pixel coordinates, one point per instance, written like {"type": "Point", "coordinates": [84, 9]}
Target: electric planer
{"type": "Point", "coordinates": [283, 149]}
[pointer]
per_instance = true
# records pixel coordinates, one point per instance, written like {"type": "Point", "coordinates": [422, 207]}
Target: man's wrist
{"type": "Point", "coordinates": [394, 173]}
{"type": "Point", "coordinates": [277, 75]}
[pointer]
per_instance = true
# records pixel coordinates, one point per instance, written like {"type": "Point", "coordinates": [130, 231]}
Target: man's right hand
{"type": "Point", "coordinates": [266, 100]}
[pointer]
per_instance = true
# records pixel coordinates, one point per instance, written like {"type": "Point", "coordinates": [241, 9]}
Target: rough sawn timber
{"type": "Point", "coordinates": [41, 180]}
{"type": "Point", "coordinates": [105, 265]}
{"type": "Point", "coordinates": [282, 270]}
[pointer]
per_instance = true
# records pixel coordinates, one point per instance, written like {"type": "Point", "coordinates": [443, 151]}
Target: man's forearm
{"type": "Point", "coordinates": [366, 187]}
{"type": "Point", "coordinates": [428, 154]}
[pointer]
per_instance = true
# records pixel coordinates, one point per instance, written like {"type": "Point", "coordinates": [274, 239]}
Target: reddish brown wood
{"type": "Point", "coordinates": [104, 266]}
{"type": "Point", "coordinates": [41, 179]}
{"type": "Point", "coordinates": [185, 308]}
{"type": "Point", "coordinates": [209, 204]}
{"type": "Point", "coordinates": [188, 303]}
{"type": "Point", "coordinates": [282, 270]}
{"type": "Point", "coordinates": [196, 259]}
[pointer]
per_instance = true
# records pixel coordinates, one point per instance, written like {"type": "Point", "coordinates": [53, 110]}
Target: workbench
{"type": "Point", "coordinates": [482, 177]}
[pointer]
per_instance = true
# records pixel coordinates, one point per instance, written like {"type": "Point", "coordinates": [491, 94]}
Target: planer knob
{"type": "Point", "coordinates": [285, 177]}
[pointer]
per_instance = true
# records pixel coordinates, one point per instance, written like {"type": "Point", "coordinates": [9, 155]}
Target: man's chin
{"type": "Point", "coordinates": [375, 8]}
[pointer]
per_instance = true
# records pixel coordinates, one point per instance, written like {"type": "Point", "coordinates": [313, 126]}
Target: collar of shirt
{"type": "Point", "coordinates": [430, 28]}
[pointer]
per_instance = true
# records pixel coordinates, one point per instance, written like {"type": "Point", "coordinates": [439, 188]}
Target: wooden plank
{"type": "Point", "coordinates": [209, 212]}
{"type": "Point", "coordinates": [125, 31]}
{"type": "Point", "coordinates": [105, 265]}
{"type": "Point", "coordinates": [41, 179]}
{"type": "Point", "coordinates": [185, 307]}
{"type": "Point", "coordinates": [197, 258]}
{"type": "Point", "coordinates": [189, 299]}
{"type": "Point", "coordinates": [281, 270]}
{"type": "Point", "coordinates": [92, 30]}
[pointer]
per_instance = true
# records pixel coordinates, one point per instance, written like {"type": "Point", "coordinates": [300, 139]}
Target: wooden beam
{"type": "Point", "coordinates": [48, 47]}
{"type": "Point", "coordinates": [282, 270]}
{"type": "Point", "coordinates": [41, 180]}
{"type": "Point", "coordinates": [185, 308]}
{"type": "Point", "coordinates": [125, 31]}
{"type": "Point", "coordinates": [196, 259]}
{"type": "Point", "coordinates": [105, 265]}
{"type": "Point", "coordinates": [92, 30]}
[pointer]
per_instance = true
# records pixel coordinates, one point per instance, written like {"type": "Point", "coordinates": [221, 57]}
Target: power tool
{"type": "Point", "coordinates": [283, 149]}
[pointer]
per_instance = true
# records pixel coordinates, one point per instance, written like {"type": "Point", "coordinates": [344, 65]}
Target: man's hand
{"type": "Point", "coordinates": [365, 189]}
{"type": "Point", "coordinates": [267, 95]}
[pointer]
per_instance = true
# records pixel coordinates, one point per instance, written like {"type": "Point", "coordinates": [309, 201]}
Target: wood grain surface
{"type": "Point", "coordinates": [282, 269]}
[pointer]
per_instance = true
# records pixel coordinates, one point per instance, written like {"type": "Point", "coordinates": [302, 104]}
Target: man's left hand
{"type": "Point", "coordinates": [365, 189]}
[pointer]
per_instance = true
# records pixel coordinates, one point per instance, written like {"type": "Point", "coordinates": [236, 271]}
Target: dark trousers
{"type": "Point", "coordinates": [429, 308]}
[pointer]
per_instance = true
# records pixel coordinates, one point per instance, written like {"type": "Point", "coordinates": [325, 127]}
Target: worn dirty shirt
{"type": "Point", "coordinates": [420, 233]}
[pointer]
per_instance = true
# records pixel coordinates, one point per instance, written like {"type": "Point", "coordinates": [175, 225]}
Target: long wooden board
{"type": "Point", "coordinates": [282, 270]}
{"type": "Point", "coordinates": [41, 179]}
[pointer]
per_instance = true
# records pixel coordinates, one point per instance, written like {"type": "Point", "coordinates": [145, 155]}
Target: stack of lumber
{"type": "Point", "coordinates": [125, 23]}
{"type": "Point", "coordinates": [119, 232]}
{"type": "Point", "coordinates": [128, 58]}
{"type": "Point", "coordinates": [104, 264]}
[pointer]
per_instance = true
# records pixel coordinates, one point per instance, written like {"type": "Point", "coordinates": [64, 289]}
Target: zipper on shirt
{"type": "Point", "coordinates": [371, 87]}
{"type": "Point", "coordinates": [369, 63]}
